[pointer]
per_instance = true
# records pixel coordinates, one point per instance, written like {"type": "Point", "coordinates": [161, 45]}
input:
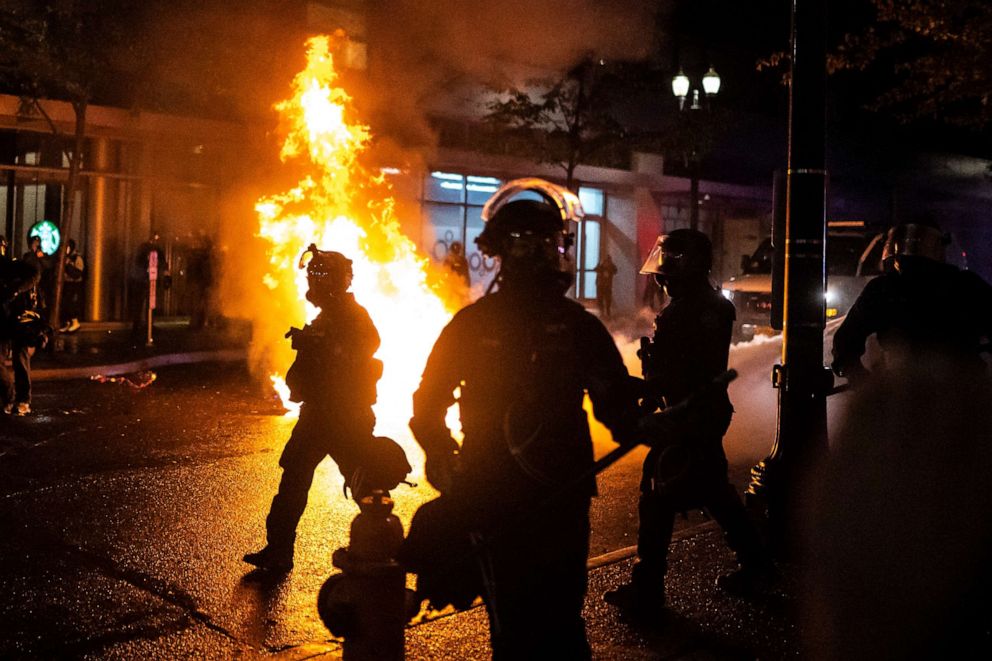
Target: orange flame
{"type": "Point", "coordinates": [341, 205]}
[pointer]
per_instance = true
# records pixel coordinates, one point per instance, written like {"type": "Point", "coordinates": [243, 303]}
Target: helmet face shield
{"type": "Point", "coordinates": [914, 240]}
{"type": "Point", "coordinates": [564, 200]}
{"type": "Point", "coordinates": [679, 257]}
{"type": "Point", "coordinates": [661, 261]}
{"type": "Point", "coordinates": [531, 238]}
{"type": "Point", "coordinates": [537, 252]}
{"type": "Point", "coordinates": [667, 258]}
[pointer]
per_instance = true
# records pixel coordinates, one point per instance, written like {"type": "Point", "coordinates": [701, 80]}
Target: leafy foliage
{"type": "Point", "coordinates": [598, 114]}
{"type": "Point", "coordinates": [59, 49]}
{"type": "Point", "coordinates": [938, 54]}
{"type": "Point", "coordinates": [566, 121]}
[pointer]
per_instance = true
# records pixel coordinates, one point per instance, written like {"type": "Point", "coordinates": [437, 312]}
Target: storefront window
{"type": "Point", "coordinates": [592, 201]}
{"type": "Point", "coordinates": [453, 212]}
{"type": "Point", "coordinates": [452, 205]}
{"type": "Point", "coordinates": [445, 187]}
{"type": "Point", "coordinates": [443, 224]}
{"type": "Point", "coordinates": [588, 241]}
{"type": "Point", "coordinates": [480, 189]}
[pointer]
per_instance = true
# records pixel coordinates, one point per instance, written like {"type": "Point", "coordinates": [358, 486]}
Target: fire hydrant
{"type": "Point", "coordinates": [365, 604]}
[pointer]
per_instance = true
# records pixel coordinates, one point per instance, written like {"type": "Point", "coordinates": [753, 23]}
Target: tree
{"type": "Point", "coordinates": [572, 121]}
{"type": "Point", "coordinates": [599, 113]}
{"type": "Point", "coordinates": [69, 51]}
{"type": "Point", "coordinates": [940, 54]}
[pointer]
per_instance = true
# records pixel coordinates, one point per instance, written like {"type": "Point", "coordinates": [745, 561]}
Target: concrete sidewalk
{"type": "Point", "coordinates": [110, 349]}
{"type": "Point", "coordinates": [701, 622]}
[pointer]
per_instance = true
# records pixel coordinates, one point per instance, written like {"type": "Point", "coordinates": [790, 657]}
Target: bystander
{"type": "Point", "coordinates": [72, 288]}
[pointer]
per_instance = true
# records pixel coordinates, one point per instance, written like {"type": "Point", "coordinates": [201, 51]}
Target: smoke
{"type": "Point", "coordinates": [752, 429]}
{"type": "Point", "coordinates": [431, 53]}
{"type": "Point", "coordinates": [424, 58]}
{"type": "Point", "coordinates": [217, 59]}
{"type": "Point", "coordinates": [418, 53]}
{"type": "Point", "coordinates": [899, 518]}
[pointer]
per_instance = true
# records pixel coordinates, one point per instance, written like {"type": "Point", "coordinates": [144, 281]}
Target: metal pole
{"type": "Point", "coordinates": [802, 380]}
{"type": "Point", "coordinates": [152, 281]}
{"type": "Point", "coordinates": [97, 283]}
{"type": "Point", "coordinates": [694, 193]}
{"type": "Point", "coordinates": [151, 307]}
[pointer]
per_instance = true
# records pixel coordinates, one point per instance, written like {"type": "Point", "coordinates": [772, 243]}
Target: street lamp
{"type": "Point", "coordinates": [711, 82]}
{"type": "Point", "coordinates": [681, 85]}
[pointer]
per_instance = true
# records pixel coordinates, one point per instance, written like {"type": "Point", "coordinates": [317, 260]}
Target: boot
{"type": "Point", "coordinates": [271, 558]}
{"type": "Point", "coordinates": [748, 581]}
{"type": "Point", "coordinates": [636, 599]}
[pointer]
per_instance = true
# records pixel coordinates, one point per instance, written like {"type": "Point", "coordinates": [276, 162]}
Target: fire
{"type": "Point", "coordinates": [343, 205]}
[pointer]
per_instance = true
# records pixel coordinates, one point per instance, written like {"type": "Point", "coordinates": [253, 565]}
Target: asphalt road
{"type": "Point", "coordinates": [126, 512]}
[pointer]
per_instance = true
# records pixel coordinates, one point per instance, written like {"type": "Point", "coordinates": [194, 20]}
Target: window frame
{"type": "Point", "coordinates": [584, 276]}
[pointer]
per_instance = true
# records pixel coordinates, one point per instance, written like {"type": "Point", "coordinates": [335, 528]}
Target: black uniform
{"type": "Point", "coordinates": [334, 376]}
{"type": "Point", "coordinates": [18, 280]}
{"type": "Point", "coordinates": [690, 348]}
{"type": "Point", "coordinates": [523, 361]}
{"type": "Point", "coordinates": [929, 307]}
{"type": "Point", "coordinates": [901, 507]}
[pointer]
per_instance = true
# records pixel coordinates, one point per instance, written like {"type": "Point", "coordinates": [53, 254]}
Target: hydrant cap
{"type": "Point", "coordinates": [376, 504]}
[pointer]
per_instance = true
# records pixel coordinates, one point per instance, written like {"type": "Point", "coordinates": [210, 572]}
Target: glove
{"type": "Point", "coordinates": [856, 374]}
{"type": "Point", "coordinates": [657, 428]}
{"type": "Point", "coordinates": [355, 482]}
{"type": "Point", "coordinates": [441, 464]}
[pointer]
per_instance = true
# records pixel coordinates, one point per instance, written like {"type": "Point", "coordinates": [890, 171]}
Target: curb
{"type": "Point", "coordinates": [614, 557]}
{"type": "Point", "coordinates": [66, 373]}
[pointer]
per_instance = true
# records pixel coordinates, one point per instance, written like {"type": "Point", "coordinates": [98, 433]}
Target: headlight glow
{"type": "Point", "coordinates": [830, 296]}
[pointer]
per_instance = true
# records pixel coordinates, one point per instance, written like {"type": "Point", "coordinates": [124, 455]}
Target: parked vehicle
{"type": "Point", "coordinates": [854, 256]}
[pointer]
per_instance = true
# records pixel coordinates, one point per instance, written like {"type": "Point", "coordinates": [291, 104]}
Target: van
{"type": "Point", "coordinates": [854, 256]}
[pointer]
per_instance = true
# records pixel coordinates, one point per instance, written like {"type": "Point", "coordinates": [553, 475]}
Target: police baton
{"type": "Point", "coordinates": [650, 426]}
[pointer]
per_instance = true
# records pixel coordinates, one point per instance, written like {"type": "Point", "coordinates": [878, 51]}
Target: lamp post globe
{"type": "Point", "coordinates": [711, 82]}
{"type": "Point", "coordinates": [680, 86]}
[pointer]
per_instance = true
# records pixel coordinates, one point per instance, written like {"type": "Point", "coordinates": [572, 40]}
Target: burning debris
{"type": "Point", "coordinates": [344, 205]}
{"type": "Point", "coordinates": [139, 381]}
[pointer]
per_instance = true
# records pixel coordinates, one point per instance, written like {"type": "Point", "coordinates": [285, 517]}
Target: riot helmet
{"type": "Point", "coordinates": [679, 257]}
{"type": "Point", "coordinates": [329, 273]}
{"type": "Point", "coordinates": [531, 237]}
{"type": "Point", "coordinates": [909, 243]}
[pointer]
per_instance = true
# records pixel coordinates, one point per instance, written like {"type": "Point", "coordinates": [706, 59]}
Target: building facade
{"type": "Point", "coordinates": [142, 174]}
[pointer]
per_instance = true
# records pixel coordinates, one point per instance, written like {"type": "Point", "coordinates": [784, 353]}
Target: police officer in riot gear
{"type": "Point", "coordinates": [919, 305]}
{"type": "Point", "coordinates": [910, 462]}
{"type": "Point", "coordinates": [334, 376]}
{"type": "Point", "coordinates": [522, 358]}
{"type": "Point", "coordinates": [688, 468]}
{"type": "Point", "coordinates": [22, 331]}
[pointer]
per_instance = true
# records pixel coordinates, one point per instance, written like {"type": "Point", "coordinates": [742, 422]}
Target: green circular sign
{"type": "Point", "coordinates": [49, 234]}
